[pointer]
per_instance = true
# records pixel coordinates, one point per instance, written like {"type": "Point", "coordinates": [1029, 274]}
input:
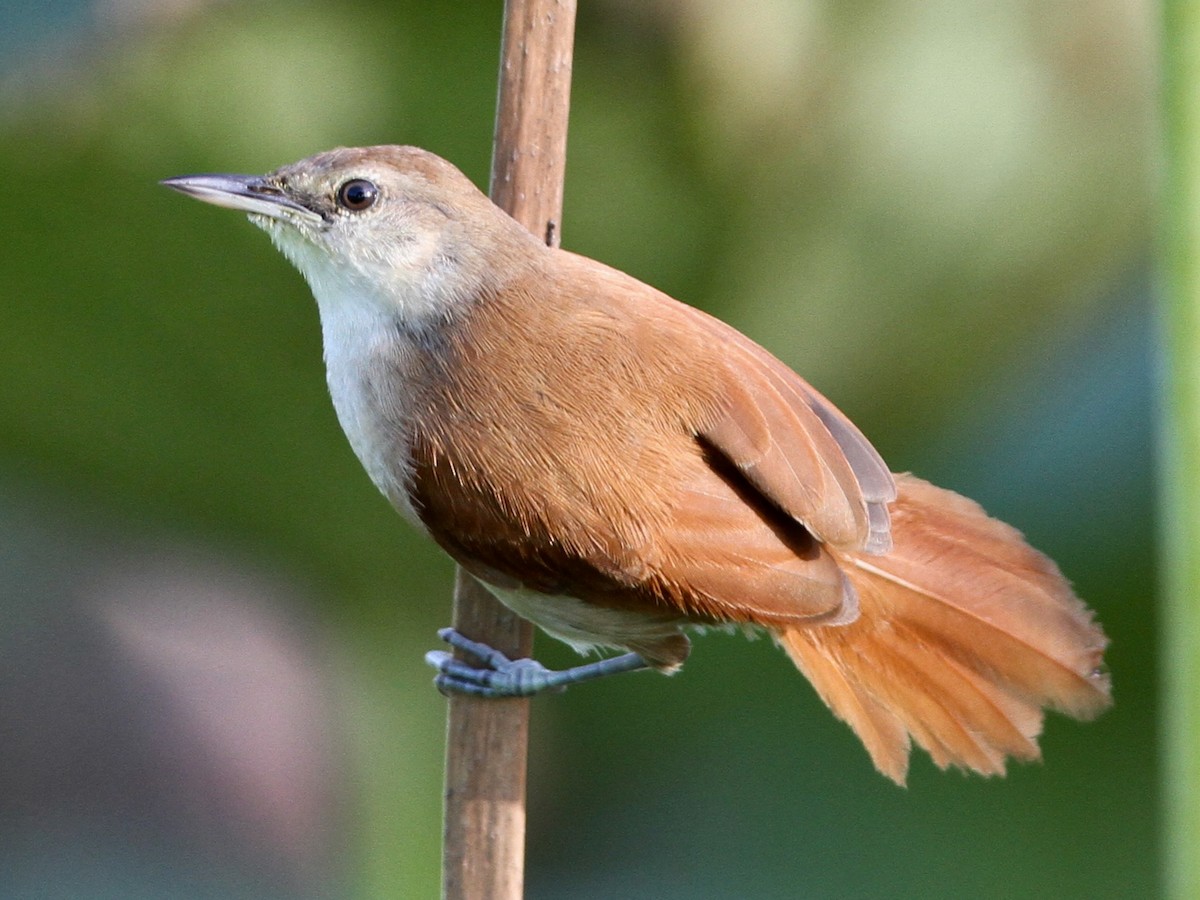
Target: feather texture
{"type": "Point", "coordinates": [572, 472]}
{"type": "Point", "coordinates": [618, 466]}
{"type": "Point", "coordinates": [966, 633]}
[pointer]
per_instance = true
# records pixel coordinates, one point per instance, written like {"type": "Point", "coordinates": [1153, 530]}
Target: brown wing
{"type": "Point", "coordinates": [798, 449]}
{"type": "Point", "coordinates": [633, 452]}
{"type": "Point", "coordinates": [735, 557]}
{"type": "Point", "coordinates": [774, 473]}
{"type": "Point", "coordinates": [720, 555]}
{"type": "Point", "coordinates": [794, 446]}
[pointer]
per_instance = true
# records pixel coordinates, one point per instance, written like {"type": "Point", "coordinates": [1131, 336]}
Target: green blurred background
{"type": "Point", "coordinates": [211, 626]}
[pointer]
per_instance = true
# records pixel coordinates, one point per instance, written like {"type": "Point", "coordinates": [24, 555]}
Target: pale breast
{"type": "Point", "coordinates": [366, 365]}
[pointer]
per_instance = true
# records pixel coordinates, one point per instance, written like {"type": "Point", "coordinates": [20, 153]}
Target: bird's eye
{"type": "Point", "coordinates": [357, 194]}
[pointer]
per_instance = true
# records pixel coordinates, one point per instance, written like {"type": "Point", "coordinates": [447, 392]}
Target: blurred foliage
{"type": "Point", "coordinates": [937, 212]}
{"type": "Point", "coordinates": [1179, 258]}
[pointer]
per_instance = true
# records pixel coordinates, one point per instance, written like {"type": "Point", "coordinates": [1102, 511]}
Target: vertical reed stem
{"type": "Point", "coordinates": [486, 740]}
{"type": "Point", "coordinates": [1180, 491]}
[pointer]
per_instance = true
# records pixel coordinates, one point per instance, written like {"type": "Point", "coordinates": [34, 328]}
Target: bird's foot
{"type": "Point", "coordinates": [500, 676]}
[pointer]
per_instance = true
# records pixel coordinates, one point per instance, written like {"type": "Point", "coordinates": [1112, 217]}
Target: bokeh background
{"type": "Point", "coordinates": [211, 627]}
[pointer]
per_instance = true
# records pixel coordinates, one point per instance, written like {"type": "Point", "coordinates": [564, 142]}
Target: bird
{"type": "Point", "coordinates": [623, 470]}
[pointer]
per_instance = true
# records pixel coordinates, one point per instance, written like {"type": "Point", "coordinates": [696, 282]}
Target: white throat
{"type": "Point", "coordinates": [368, 357]}
{"type": "Point", "coordinates": [375, 304]}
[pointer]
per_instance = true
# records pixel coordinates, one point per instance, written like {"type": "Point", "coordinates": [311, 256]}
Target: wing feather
{"type": "Point", "coordinates": [739, 559]}
{"type": "Point", "coordinates": [797, 448]}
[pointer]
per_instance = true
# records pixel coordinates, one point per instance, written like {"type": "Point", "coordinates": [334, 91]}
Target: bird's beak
{"type": "Point", "coordinates": [248, 193]}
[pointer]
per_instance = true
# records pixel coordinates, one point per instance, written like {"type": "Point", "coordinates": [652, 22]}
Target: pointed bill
{"type": "Point", "coordinates": [247, 193]}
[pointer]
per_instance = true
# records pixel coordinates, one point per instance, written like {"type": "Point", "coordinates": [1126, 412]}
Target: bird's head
{"type": "Point", "coordinates": [397, 227]}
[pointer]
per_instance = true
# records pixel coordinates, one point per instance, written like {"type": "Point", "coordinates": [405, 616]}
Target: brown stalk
{"type": "Point", "coordinates": [483, 852]}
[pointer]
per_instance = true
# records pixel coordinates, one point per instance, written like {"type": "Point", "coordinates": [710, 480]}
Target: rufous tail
{"type": "Point", "coordinates": [965, 634]}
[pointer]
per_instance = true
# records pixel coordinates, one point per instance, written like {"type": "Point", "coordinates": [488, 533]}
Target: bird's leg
{"type": "Point", "coordinates": [500, 676]}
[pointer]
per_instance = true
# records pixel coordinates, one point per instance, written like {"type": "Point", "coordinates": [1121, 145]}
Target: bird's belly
{"type": "Point", "coordinates": [586, 626]}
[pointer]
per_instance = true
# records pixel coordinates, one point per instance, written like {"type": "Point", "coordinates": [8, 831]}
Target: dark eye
{"type": "Point", "coordinates": [357, 194]}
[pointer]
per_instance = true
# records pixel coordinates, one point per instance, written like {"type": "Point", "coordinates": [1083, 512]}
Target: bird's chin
{"type": "Point", "coordinates": [292, 238]}
{"type": "Point", "coordinates": [298, 243]}
{"type": "Point", "coordinates": [284, 224]}
{"type": "Point", "coordinates": [271, 224]}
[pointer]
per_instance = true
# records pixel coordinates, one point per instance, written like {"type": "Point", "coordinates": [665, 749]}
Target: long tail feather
{"type": "Point", "coordinates": [965, 634]}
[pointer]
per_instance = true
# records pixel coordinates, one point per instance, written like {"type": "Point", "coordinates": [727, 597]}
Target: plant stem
{"type": "Point", "coordinates": [1180, 491]}
{"type": "Point", "coordinates": [486, 740]}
